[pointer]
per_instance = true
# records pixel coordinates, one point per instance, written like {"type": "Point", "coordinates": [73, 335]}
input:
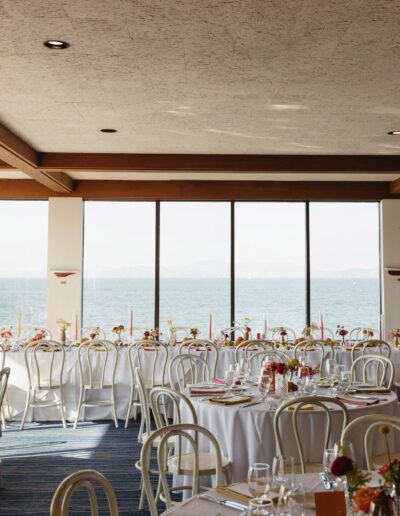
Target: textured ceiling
{"type": "Point", "coordinates": [203, 76]}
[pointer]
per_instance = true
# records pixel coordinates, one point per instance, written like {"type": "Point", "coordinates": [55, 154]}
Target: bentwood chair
{"type": "Point", "coordinates": [44, 363]}
{"type": "Point", "coordinates": [187, 369]}
{"type": "Point", "coordinates": [4, 376]}
{"type": "Point", "coordinates": [60, 504]}
{"type": "Point", "coordinates": [93, 358]}
{"type": "Point", "coordinates": [361, 333]}
{"type": "Point", "coordinates": [324, 349]}
{"type": "Point", "coordinates": [209, 351]}
{"type": "Point", "coordinates": [246, 348]}
{"type": "Point", "coordinates": [5, 405]}
{"type": "Point", "coordinates": [383, 370]}
{"type": "Point", "coordinates": [275, 333]}
{"type": "Point", "coordinates": [371, 346]}
{"type": "Point", "coordinates": [366, 425]}
{"type": "Point", "coordinates": [295, 405]}
{"type": "Point", "coordinates": [190, 433]}
{"type": "Point", "coordinates": [151, 357]}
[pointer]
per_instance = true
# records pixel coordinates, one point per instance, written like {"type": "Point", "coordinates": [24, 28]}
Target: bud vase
{"type": "Point", "coordinates": [63, 337]}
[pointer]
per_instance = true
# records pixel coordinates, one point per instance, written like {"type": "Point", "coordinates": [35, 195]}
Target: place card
{"type": "Point", "coordinates": [330, 503]}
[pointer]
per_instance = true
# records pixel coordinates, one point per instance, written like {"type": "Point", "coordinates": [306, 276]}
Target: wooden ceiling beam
{"type": "Point", "coordinates": [20, 155]}
{"type": "Point", "coordinates": [206, 190]}
{"type": "Point", "coordinates": [395, 186]}
{"type": "Point", "coordinates": [219, 163]}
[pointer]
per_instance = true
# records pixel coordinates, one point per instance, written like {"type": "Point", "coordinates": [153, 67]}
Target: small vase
{"type": "Point", "coordinates": [63, 337]}
{"type": "Point", "coordinates": [383, 507]}
{"type": "Point", "coordinates": [396, 497]}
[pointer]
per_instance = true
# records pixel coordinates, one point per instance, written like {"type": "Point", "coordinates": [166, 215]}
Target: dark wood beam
{"type": "Point", "coordinates": [206, 190]}
{"type": "Point", "coordinates": [18, 154]}
{"type": "Point", "coordinates": [219, 163]}
{"type": "Point", "coordinates": [5, 166]}
{"type": "Point", "coordinates": [395, 186]}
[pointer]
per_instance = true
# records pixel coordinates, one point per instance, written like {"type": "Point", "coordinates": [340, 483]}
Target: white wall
{"type": "Point", "coordinates": [65, 253]}
{"type": "Point", "coordinates": [390, 254]}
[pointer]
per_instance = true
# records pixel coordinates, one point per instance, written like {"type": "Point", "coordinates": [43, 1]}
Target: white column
{"type": "Point", "coordinates": [390, 260]}
{"type": "Point", "coordinates": [65, 254]}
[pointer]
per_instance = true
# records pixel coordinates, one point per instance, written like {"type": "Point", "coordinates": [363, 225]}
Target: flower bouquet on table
{"type": "Point", "coordinates": [283, 335]}
{"type": "Point", "coordinates": [118, 330]}
{"type": "Point", "coordinates": [171, 333]}
{"type": "Point", "coordinates": [6, 336]}
{"type": "Point", "coordinates": [309, 331]}
{"type": "Point", "coordinates": [94, 333]}
{"type": "Point", "coordinates": [194, 332]}
{"type": "Point", "coordinates": [247, 330]}
{"type": "Point", "coordinates": [368, 333]}
{"type": "Point", "coordinates": [342, 332]}
{"type": "Point", "coordinates": [63, 327]}
{"type": "Point", "coordinates": [395, 334]}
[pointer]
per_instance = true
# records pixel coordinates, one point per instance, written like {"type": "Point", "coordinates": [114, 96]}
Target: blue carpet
{"type": "Point", "coordinates": [35, 461]}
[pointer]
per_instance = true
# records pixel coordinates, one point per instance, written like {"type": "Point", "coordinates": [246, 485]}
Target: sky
{"type": "Point", "coordinates": [195, 239]}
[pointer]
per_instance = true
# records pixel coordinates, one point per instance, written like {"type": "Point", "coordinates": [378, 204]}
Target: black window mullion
{"type": "Point", "coordinates": [232, 262]}
{"type": "Point", "coordinates": [308, 267]}
{"type": "Point", "coordinates": [157, 269]}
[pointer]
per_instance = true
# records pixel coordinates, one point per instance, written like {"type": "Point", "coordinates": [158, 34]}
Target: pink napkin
{"type": "Point", "coordinates": [357, 401]}
{"type": "Point", "coordinates": [219, 382]}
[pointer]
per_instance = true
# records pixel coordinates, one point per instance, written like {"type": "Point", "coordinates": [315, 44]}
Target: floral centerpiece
{"type": "Point", "coordinates": [344, 467]}
{"type": "Point", "coordinates": [94, 332]}
{"type": "Point", "coordinates": [395, 334]}
{"type": "Point", "coordinates": [244, 324]}
{"type": "Point", "coordinates": [118, 330]}
{"type": "Point", "coordinates": [194, 332]}
{"type": "Point", "coordinates": [39, 335]}
{"type": "Point", "coordinates": [283, 335]}
{"type": "Point", "coordinates": [6, 333]}
{"type": "Point", "coordinates": [368, 333]}
{"type": "Point", "coordinates": [342, 332]}
{"type": "Point", "coordinates": [308, 331]}
{"type": "Point", "coordinates": [63, 327]}
{"type": "Point", "coordinates": [155, 333]}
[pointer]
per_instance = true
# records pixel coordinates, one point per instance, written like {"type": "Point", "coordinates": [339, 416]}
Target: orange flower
{"type": "Point", "coordinates": [364, 496]}
{"type": "Point", "coordinates": [383, 469]}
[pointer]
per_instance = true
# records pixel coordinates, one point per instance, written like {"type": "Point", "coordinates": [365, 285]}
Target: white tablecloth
{"type": "Point", "coordinates": [246, 434]}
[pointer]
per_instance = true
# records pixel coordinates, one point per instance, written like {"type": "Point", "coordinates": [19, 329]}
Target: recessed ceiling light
{"type": "Point", "coordinates": [394, 133]}
{"type": "Point", "coordinates": [108, 130]}
{"type": "Point", "coordinates": [56, 44]}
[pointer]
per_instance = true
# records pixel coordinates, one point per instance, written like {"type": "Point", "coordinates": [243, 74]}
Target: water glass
{"type": "Point", "coordinates": [329, 456]}
{"type": "Point", "coordinates": [310, 386]}
{"type": "Point", "coordinates": [331, 374]}
{"type": "Point", "coordinates": [259, 479]}
{"type": "Point", "coordinates": [230, 377]}
{"type": "Point", "coordinates": [283, 472]}
{"type": "Point", "coordinates": [260, 507]}
{"type": "Point", "coordinates": [264, 385]}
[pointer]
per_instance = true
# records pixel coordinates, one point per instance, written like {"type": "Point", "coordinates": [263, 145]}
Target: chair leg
{"type": "Point", "coordinates": [62, 409]}
{"type": "Point", "coordinates": [129, 407]}
{"type": "Point", "coordinates": [79, 408]}
{"type": "Point", "coordinates": [3, 419]}
{"type": "Point", "coordinates": [113, 407]}
{"type": "Point", "coordinates": [142, 494]}
{"type": "Point", "coordinates": [28, 399]}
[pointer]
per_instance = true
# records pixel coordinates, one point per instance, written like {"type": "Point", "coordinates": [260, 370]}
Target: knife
{"type": "Point", "coordinates": [227, 503]}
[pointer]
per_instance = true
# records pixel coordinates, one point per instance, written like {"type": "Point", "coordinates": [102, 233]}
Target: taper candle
{"type": "Point", "coordinates": [210, 328]}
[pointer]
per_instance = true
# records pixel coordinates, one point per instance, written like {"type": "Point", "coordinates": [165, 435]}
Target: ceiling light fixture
{"type": "Point", "coordinates": [56, 44]}
{"type": "Point", "coordinates": [108, 130]}
{"type": "Point", "coordinates": [394, 133]}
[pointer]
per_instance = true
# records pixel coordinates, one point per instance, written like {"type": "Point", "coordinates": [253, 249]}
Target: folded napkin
{"type": "Point", "coordinates": [309, 406]}
{"type": "Point", "coordinates": [352, 400]}
{"type": "Point", "coordinates": [201, 391]}
{"type": "Point", "coordinates": [219, 382]}
{"type": "Point", "coordinates": [230, 400]}
{"type": "Point", "coordinates": [377, 390]}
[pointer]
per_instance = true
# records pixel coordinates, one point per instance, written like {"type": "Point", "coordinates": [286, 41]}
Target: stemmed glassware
{"type": "Point", "coordinates": [283, 475]}
{"type": "Point", "coordinates": [230, 378]}
{"type": "Point", "coordinates": [264, 385]}
{"type": "Point", "coordinates": [331, 374]}
{"type": "Point", "coordinates": [259, 479]}
{"type": "Point", "coordinates": [260, 507]}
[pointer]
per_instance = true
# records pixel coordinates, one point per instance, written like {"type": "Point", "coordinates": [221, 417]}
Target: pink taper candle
{"type": "Point", "coordinates": [265, 329]}
{"type": "Point", "coordinates": [76, 327]}
{"type": "Point", "coordinates": [322, 327]}
{"type": "Point", "coordinates": [381, 327]}
{"type": "Point", "coordinates": [131, 323]}
{"type": "Point", "coordinates": [210, 328]}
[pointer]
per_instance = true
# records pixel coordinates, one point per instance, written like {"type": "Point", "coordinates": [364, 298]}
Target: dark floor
{"type": "Point", "coordinates": [35, 461]}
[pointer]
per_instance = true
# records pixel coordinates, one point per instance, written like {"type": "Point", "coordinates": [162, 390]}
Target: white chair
{"type": "Point", "coordinates": [322, 402]}
{"type": "Point", "coordinates": [382, 368]}
{"type": "Point", "coordinates": [93, 375]}
{"type": "Point", "coordinates": [98, 333]}
{"type": "Point", "coordinates": [155, 355]}
{"type": "Point", "coordinates": [373, 422]}
{"type": "Point", "coordinates": [170, 465]}
{"type": "Point", "coordinates": [209, 351]}
{"type": "Point", "coordinates": [5, 406]}
{"type": "Point", "coordinates": [357, 334]}
{"type": "Point", "coordinates": [83, 479]}
{"type": "Point", "coordinates": [4, 376]}
{"type": "Point", "coordinates": [255, 359]}
{"type": "Point", "coordinates": [367, 346]}
{"type": "Point", "coordinates": [325, 350]}
{"type": "Point", "coordinates": [248, 346]}
{"type": "Point", "coordinates": [44, 363]}
{"type": "Point", "coordinates": [188, 369]}
{"type": "Point", "coordinates": [277, 330]}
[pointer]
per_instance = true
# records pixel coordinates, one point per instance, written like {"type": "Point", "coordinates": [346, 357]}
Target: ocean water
{"type": "Point", "coordinates": [189, 302]}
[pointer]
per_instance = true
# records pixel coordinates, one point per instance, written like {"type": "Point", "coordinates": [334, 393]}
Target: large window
{"type": "Point", "coordinates": [270, 264]}
{"type": "Point", "coordinates": [195, 264]}
{"type": "Point", "coordinates": [119, 263]}
{"type": "Point", "coordinates": [345, 263]}
{"type": "Point", "coordinates": [23, 262]}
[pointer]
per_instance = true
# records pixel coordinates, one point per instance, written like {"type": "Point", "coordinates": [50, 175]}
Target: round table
{"type": "Point", "coordinates": [246, 434]}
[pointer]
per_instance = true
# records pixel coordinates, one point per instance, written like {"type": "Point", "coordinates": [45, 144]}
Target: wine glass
{"type": "Point", "coordinates": [329, 456]}
{"type": "Point", "coordinates": [259, 479]}
{"type": "Point", "coordinates": [310, 385]}
{"type": "Point", "coordinates": [345, 448]}
{"type": "Point", "coordinates": [229, 378]}
{"type": "Point", "coordinates": [264, 385]}
{"type": "Point", "coordinates": [260, 507]}
{"type": "Point", "coordinates": [331, 374]}
{"type": "Point", "coordinates": [283, 472]}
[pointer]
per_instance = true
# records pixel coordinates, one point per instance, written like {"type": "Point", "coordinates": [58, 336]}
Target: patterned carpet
{"type": "Point", "coordinates": [35, 461]}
